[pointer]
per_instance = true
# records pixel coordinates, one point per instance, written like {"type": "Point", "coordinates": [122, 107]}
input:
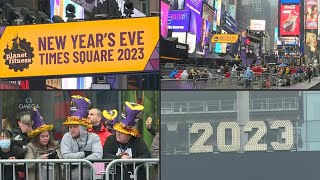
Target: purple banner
{"type": "Point", "coordinates": [195, 25]}
{"type": "Point", "coordinates": [178, 21]}
{"type": "Point", "coordinates": [195, 6]}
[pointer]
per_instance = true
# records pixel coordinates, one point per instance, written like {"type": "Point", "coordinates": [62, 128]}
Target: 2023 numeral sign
{"type": "Point", "coordinates": [252, 144]}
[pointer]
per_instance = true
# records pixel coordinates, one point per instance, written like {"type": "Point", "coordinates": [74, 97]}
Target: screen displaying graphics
{"type": "Point", "coordinates": [195, 7]}
{"type": "Point", "coordinates": [214, 25]}
{"type": "Point", "coordinates": [177, 4]}
{"type": "Point", "coordinates": [311, 41]}
{"type": "Point", "coordinates": [217, 6]}
{"type": "Point", "coordinates": [206, 28]}
{"type": "Point", "coordinates": [58, 7]}
{"type": "Point", "coordinates": [208, 14]}
{"type": "Point", "coordinates": [311, 14]}
{"type": "Point", "coordinates": [164, 19]}
{"type": "Point", "coordinates": [191, 41]}
{"type": "Point", "coordinates": [240, 131]}
{"type": "Point", "coordinates": [290, 1]}
{"type": "Point", "coordinates": [289, 20]}
{"type": "Point", "coordinates": [179, 20]}
{"type": "Point", "coordinates": [182, 36]}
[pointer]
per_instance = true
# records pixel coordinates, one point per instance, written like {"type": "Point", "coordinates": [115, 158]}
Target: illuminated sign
{"type": "Point", "coordinates": [254, 143]}
{"type": "Point", "coordinates": [225, 38]}
{"type": "Point", "coordinates": [179, 20]}
{"type": "Point", "coordinates": [108, 46]}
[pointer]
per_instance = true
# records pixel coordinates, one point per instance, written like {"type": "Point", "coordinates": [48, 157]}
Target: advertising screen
{"type": "Point", "coordinates": [208, 14]}
{"type": "Point", "coordinates": [289, 20]}
{"type": "Point", "coordinates": [195, 7]}
{"type": "Point", "coordinates": [290, 1]}
{"type": "Point", "coordinates": [177, 4]}
{"type": "Point", "coordinates": [179, 20]}
{"type": "Point", "coordinates": [191, 41]}
{"type": "Point", "coordinates": [57, 7]}
{"type": "Point", "coordinates": [232, 11]}
{"type": "Point", "coordinates": [217, 6]}
{"type": "Point", "coordinates": [164, 19]}
{"type": "Point", "coordinates": [206, 26]}
{"type": "Point", "coordinates": [237, 135]}
{"type": "Point", "coordinates": [214, 25]}
{"type": "Point", "coordinates": [311, 14]}
{"type": "Point", "coordinates": [182, 36]}
{"type": "Point", "coordinates": [311, 41]}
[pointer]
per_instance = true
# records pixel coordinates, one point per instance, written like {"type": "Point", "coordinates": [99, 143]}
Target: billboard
{"type": "Point", "coordinates": [232, 11]}
{"type": "Point", "coordinates": [311, 41]}
{"type": "Point", "coordinates": [179, 20]}
{"type": "Point", "coordinates": [311, 14]}
{"type": "Point", "coordinates": [91, 47]}
{"type": "Point", "coordinates": [182, 36]}
{"type": "Point", "coordinates": [177, 4]}
{"type": "Point", "coordinates": [57, 7]}
{"type": "Point", "coordinates": [206, 27]}
{"type": "Point", "coordinates": [208, 14]}
{"type": "Point", "coordinates": [164, 19]}
{"type": "Point", "coordinates": [289, 1]}
{"type": "Point", "coordinates": [257, 25]}
{"type": "Point", "coordinates": [230, 23]}
{"type": "Point", "coordinates": [191, 41]}
{"type": "Point", "coordinates": [289, 20]}
{"type": "Point", "coordinates": [217, 6]}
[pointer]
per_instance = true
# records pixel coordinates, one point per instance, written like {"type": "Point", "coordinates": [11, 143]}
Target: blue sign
{"type": "Point", "coordinates": [290, 1]}
{"type": "Point", "coordinates": [178, 21]}
{"type": "Point", "coordinates": [230, 23]}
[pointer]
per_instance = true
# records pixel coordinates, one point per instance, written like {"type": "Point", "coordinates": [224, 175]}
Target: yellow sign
{"type": "Point", "coordinates": [92, 47]}
{"type": "Point", "coordinates": [225, 38]}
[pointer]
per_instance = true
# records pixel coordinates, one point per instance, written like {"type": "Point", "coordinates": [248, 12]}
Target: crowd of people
{"type": "Point", "coordinates": [88, 138]}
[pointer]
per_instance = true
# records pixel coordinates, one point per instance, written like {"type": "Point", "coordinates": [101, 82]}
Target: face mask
{"type": "Point", "coordinates": [5, 143]}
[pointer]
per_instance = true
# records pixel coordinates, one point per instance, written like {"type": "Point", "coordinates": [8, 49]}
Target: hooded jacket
{"type": "Point", "coordinates": [74, 148]}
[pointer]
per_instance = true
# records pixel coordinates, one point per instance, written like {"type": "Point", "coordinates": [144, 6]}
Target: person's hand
{"type": "Point", "coordinates": [12, 157]}
{"type": "Point", "coordinates": [149, 122]}
{"type": "Point", "coordinates": [44, 156]}
{"type": "Point", "coordinates": [125, 156]}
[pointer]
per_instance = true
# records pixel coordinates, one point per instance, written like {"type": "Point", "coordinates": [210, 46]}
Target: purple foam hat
{"type": "Point", "coordinates": [38, 125]}
{"type": "Point", "coordinates": [132, 111]}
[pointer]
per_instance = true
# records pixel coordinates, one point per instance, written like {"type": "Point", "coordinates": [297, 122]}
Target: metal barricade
{"type": "Point", "coordinates": [67, 165]}
{"type": "Point", "coordinates": [134, 175]}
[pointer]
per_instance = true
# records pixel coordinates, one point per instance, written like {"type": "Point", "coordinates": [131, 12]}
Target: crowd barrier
{"type": "Point", "coordinates": [72, 169]}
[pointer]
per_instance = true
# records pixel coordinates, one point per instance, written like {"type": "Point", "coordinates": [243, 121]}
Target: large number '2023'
{"type": "Point", "coordinates": [252, 144]}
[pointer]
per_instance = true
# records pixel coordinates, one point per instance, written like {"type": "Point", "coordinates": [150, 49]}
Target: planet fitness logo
{"type": "Point", "coordinates": [20, 55]}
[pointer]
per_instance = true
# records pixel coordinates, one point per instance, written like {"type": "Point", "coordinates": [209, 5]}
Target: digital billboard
{"type": "Point", "coordinates": [178, 20]}
{"type": "Point", "coordinates": [208, 13]}
{"type": "Point", "coordinates": [232, 11]}
{"type": "Point", "coordinates": [195, 8]}
{"type": "Point", "coordinates": [290, 1]}
{"type": "Point", "coordinates": [164, 19]}
{"type": "Point", "coordinates": [311, 14]}
{"type": "Point", "coordinates": [257, 25]}
{"type": "Point", "coordinates": [191, 41]}
{"type": "Point", "coordinates": [217, 6]}
{"type": "Point", "coordinates": [289, 20]}
{"type": "Point", "coordinates": [240, 135]}
{"type": "Point", "coordinates": [311, 41]}
{"type": "Point", "coordinates": [206, 27]}
{"type": "Point", "coordinates": [177, 4]}
{"type": "Point", "coordinates": [57, 7]}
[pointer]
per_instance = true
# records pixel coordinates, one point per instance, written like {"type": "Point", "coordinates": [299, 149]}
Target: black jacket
{"type": "Point", "coordinates": [139, 150]}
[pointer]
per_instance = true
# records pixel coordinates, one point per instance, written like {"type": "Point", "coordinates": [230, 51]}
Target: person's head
{"type": "Point", "coordinates": [25, 123]}
{"type": "Point", "coordinates": [95, 116]}
{"type": "Point", "coordinates": [122, 137]}
{"type": "Point", "coordinates": [44, 139]}
{"type": "Point", "coordinates": [5, 139]}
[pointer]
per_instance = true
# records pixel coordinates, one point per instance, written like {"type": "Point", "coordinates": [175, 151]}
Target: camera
{"type": "Point", "coordinates": [52, 154]}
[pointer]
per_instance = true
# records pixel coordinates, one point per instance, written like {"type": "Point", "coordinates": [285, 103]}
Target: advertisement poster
{"type": "Point", "coordinates": [178, 21]}
{"type": "Point", "coordinates": [232, 11]}
{"type": "Point", "coordinates": [208, 14]}
{"type": "Point", "coordinates": [177, 4]}
{"type": "Point", "coordinates": [289, 20]}
{"type": "Point", "coordinates": [191, 41]}
{"type": "Point", "coordinates": [58, 7]}
{"type": "Point", "coordinates": [217, 6]}
{"type": "Point", "coordinates": [311, 14]}
{"type": "Point", "coordinates": [195, 7]}
{"type": "Point", "coordinates": [182, 36]}
{"type": "Point", "coordinates": [200, 48]}
{"type": "Point", "coordinates": [90, 47]}
{"type": "Point", "coordinates": [164, 19]}
{"type": "Point", "coordinates": [311, 41]}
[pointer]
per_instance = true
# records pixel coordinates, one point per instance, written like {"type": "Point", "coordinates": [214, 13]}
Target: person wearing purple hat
{"type": "Point", "coordinates": [126, 142]}
{"type": "Point", "coordinates": [80, 142]}
{"type": "Point", "coordinates": [42, 146]}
